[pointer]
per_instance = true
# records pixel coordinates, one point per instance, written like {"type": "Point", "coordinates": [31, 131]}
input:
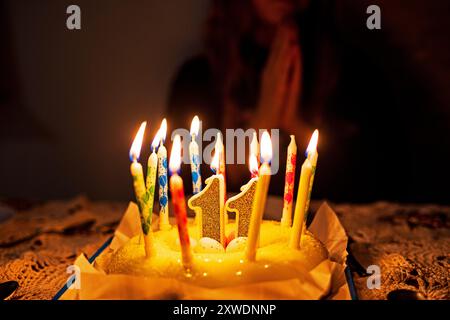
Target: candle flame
{"type": "Point", "coordinates": [135, 149]}
{"type": "Point", "coordinates": [215, 160]}
{"type": "Point", "coordinates": [156, 139]}
{"type": "Point", "coordinates": [253, 164]}
{"type": "Point", "coordinates": [312, 147]}
{"type": "Point", "coordinates": [163, 130]}
{"type": "Point", "coordinates": [254, 145]}
{"type": "Point", "coordinates": [266, 147]}
{"type": "Point", "coordinates": [195, 125]}
{"type": "Point", "coordinates": [175, 155]}
{"type": "Point", "coordinates": [219, 144]}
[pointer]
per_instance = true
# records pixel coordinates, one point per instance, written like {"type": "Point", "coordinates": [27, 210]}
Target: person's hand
{"type": "Point", "coordinates": [280, 83]}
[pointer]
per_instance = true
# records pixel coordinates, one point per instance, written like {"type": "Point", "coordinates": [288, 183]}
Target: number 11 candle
{"type": "Point", "coordinates": [179, 203]}
{"type": "Point", "coordinates": [142, 196]}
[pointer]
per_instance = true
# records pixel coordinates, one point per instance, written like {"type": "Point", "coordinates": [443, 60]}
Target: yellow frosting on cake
{"type": "Point", "coordinates": [274, 260]}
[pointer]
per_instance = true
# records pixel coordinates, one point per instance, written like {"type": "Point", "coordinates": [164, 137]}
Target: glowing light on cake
{"type": "Point", "coordinates": [175, 155]}
{"type": "Point", "coordinates": [135, 149]}
{"type": "Point", "coordinates": [254, 147]}
{"type": "Point", "coordinates": [163, 130]}
{"type": "Point", "coordinates": [266, 148]}
{"type": "Point", "coordinates": [195, 126]}
{"type": "Point", "coordinates": [215, 161]}
{"type": "Point", "coordinates": [312, 146]}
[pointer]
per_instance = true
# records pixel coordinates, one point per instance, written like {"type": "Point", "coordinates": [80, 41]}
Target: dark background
{"type": "Point", "coordinates": [71, 101]}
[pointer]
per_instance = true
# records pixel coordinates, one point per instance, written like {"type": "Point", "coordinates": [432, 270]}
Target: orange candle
{"type": "Point", "coordinates": [179, 203]}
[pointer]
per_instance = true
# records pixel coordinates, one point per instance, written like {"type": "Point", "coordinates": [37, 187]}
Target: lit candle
{"type": "Point", "coordinates": [178, 201]}
{"type": "Point", "coordinates": [142, 196]}
{"type": "Point", "coordinates": [286, 219]}
{"type": "Point", "coordinates": [241, 204]}
{"type": "Point", "coordinates": [302, 198]}
{"type": "Point", "coordinates": [195, 157]}
{"type": "Point", "coordinates": [221, 150]}
{"type": "Point", "coordinates": [209, 205]}
{"type": "Point", "coordinates": [219, 147]}
{"type": "Point", "coordinates": [259, 202]}
{"type": "Point", "coordinates": [164, 223]}
{"type": "Point", "coordinates": [254, 147]}
{"type": "Point", "coordinates": [152, 166]}
{"type": "Point", "coordinates": [312, 155]}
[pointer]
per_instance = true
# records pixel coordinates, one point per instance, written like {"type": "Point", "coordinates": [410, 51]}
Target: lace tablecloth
{"type": "Point", "coordinates": [410, 243]}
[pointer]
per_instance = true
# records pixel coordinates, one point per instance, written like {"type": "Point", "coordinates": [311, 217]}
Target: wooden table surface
{"type": "Point", "coordinates": [410, 243]}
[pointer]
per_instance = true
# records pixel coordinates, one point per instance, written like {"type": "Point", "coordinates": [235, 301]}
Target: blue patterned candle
{"type": "Point", "coordinates": [194, 156]}
{"type": "Point", "coordinates": [164, 223]}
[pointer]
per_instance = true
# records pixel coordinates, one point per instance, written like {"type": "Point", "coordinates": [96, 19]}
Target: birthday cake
{"type": "Point", "coordinates": [228, 246]}
{"type": "Point", "coordinates": [215, 266]}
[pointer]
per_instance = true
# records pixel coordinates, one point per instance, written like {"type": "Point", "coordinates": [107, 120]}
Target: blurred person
{"type": "Point", "coordinates": [296, 65]}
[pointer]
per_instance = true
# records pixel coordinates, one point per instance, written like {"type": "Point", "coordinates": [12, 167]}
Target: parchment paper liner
{"type": "Point", "coordinates": [327, 280]}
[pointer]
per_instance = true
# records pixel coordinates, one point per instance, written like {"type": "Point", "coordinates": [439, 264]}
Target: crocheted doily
{"type": "Point", "coordinates": [38, 244]}
{"type": "Point", "coordinates": [410, 244]}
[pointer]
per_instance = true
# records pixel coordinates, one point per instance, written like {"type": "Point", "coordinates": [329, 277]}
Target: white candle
{"type": "Point", "coordinates": [194, 155]}
{"type": "Point", "coordinates": [164, 223]}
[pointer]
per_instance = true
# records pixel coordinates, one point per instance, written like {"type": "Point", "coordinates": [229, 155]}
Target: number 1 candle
{"type": "Point", "coordinates": [259, 202]}
{"type": "Point", "coordinates": [302, 198]}
{"type": "Point", "coordinates": [179, 204]}
{"type": "Point", "coordinates": [195, 157]}
{"type": "Point", "coordinates": [142, 196]}
{"type": "Point", "coordinates": [241, 204]}
{"type": "Point", "coordinates": [286, 219]}
{"type": "Point", "coordinates": [164, 223]}
{"type": "Point", "coordinates": [209, 205]}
